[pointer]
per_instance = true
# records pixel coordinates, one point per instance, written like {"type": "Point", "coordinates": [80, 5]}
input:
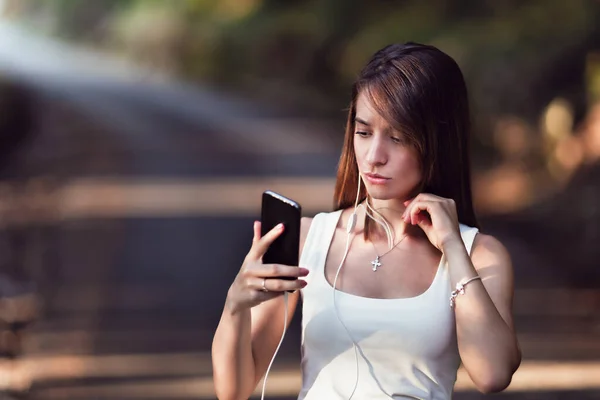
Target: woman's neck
{"type": "Point", "coordinates": [392, 211]}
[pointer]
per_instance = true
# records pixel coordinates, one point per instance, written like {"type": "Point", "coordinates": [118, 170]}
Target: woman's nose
{"type": "Point", "coordinates": [376, 154]}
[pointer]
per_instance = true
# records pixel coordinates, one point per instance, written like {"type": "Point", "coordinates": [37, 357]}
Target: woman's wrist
{"type": "Point", "coordinates": [232, 307]}
{"type": "Point", "coordinates": [452, 243]}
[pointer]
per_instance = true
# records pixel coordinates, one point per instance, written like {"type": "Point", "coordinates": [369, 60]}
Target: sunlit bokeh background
{"type": "Point", "coordinates": [136, 137]}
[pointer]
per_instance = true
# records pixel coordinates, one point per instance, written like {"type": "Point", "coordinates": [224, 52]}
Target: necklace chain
{"type": "Point", "coordinates": [376, 263]}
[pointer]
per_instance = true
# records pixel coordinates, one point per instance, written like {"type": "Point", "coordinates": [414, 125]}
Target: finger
{"type": "Point", "coordinates": [277, 285]}
{"type": "Point", "coordinates": [423, 220]}
{"type": "Point", "coordinates": [418, 207]}
{"type": "Point", "coordinates": [409, 206]}
{"type": "Point", "coordinates": [429, 197]}
{"type": "Point", "coordinates": [256, 237]}
{"type": "Point", "coordinates": [260, 247]}
{"type": "Point", "coordinates": [278, 270]}
{"type": "Point", "coordinates": [406, 216]}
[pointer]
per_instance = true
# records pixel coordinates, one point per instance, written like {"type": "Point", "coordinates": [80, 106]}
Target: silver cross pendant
{"type": "Point", "coordinates": [376, 263]}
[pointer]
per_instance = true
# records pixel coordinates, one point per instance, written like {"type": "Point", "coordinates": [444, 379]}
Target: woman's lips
{"type": "Point", "coordinates": [376, 179]}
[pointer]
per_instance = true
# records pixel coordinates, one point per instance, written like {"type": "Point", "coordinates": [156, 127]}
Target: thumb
{"type": "Point", "coordinates": [256, 237]}
{"type": "Point", "coordinates": [260, 247]}
{"type": "Point", "coordinates": [424, 223]}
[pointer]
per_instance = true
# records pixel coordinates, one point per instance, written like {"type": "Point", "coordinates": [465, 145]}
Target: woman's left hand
{"type": "Point", "coordinates": [441, 226]}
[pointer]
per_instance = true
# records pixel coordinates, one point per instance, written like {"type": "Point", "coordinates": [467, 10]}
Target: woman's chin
{"type": "Point", "coordinates": [380, 193]}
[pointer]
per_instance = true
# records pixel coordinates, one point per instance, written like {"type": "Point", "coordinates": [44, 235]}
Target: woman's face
{"type": "Point", "coordinates": [387, 162]}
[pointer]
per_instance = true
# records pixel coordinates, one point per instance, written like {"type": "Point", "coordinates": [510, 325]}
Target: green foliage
{"type": "Point", "coordinates": [507, 49]}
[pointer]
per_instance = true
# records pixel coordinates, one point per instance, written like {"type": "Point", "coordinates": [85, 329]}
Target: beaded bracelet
{"type": "Point", "coordinates": [460, 289]}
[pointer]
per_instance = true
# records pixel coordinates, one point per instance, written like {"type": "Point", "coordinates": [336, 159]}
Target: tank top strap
{"type": "Point", "coordinates": [468, 234]}
{"type": "Point", "coordinates": [318, 239]}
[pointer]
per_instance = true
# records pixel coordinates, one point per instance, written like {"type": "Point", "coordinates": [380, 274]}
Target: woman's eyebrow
{"type": "Point", "coordinates": [361, 121]}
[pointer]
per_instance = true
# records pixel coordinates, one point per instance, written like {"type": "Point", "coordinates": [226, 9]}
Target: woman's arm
{"type": "Point", "coordinates": [248, 334]}
{"type": "Point", "coordinates": [244, 343]}
{"type": "Point", "coordinates": [486, 336]}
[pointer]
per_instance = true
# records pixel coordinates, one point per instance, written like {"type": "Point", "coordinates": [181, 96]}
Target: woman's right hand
{"type": "Point", "coordinates": [247, 290]}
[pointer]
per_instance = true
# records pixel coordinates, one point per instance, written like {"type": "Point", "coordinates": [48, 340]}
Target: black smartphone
{"type": "Point", "coordinates": [276, 209]}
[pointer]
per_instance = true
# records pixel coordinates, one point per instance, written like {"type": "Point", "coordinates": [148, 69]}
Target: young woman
{"type": "Point", "coordinates": [398, 285]}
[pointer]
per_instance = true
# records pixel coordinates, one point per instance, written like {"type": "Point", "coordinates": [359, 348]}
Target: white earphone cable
{"type": "Point", "coordinates": [348, 241]}
{"type": "Point", "coordinates": [371, 212]}
{"type": "Point", "coordinates": [285, 317]}
{"type": "Point", "coordinates": [349, 228]}
{"type": "Point", "coordinates": [350, 236]}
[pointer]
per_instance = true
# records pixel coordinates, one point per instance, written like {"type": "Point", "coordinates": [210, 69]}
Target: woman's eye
{"type": "Point", "coordinates": [398, 139]}
{"type": "Point", "coordinates": [362, 133]}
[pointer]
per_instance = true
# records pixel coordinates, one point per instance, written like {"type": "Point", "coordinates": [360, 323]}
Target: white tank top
{"type": "Point", "coordinates": [407, 347]}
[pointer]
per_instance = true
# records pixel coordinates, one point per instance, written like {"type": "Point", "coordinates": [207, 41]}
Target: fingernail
{"type": "Point", "coordinates": [304, 271]}
{"type": "Point", "coordinates": [303, 283]}
{"type": "Point", "coordinates": [279, 226]}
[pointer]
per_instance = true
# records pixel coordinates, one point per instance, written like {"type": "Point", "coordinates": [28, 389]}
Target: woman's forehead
{"type": "Point", "coordinates": [367, 114]}
{"type": "Point", "coordinates": [365, 109]}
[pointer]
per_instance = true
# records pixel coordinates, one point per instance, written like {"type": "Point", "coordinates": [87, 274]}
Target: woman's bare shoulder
{"type": "Point", "coordinates": [487, 247]}
{"type": "Point", "coordinates": [490, 256]}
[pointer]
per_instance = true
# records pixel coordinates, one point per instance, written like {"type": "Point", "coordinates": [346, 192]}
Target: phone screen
{"type": "Point", "coordinates": [279, 209]}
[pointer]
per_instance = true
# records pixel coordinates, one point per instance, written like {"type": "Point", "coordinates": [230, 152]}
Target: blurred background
{"type": "Point", "coordinates": [136, 137]}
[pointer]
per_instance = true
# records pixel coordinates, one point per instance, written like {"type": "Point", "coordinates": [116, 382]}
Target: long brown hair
{"type": "Point", "coordinates": [421, 92]}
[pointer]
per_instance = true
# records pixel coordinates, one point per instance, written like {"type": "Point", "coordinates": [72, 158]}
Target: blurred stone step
{"type": "Point", "coordinates": [114, 341]}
